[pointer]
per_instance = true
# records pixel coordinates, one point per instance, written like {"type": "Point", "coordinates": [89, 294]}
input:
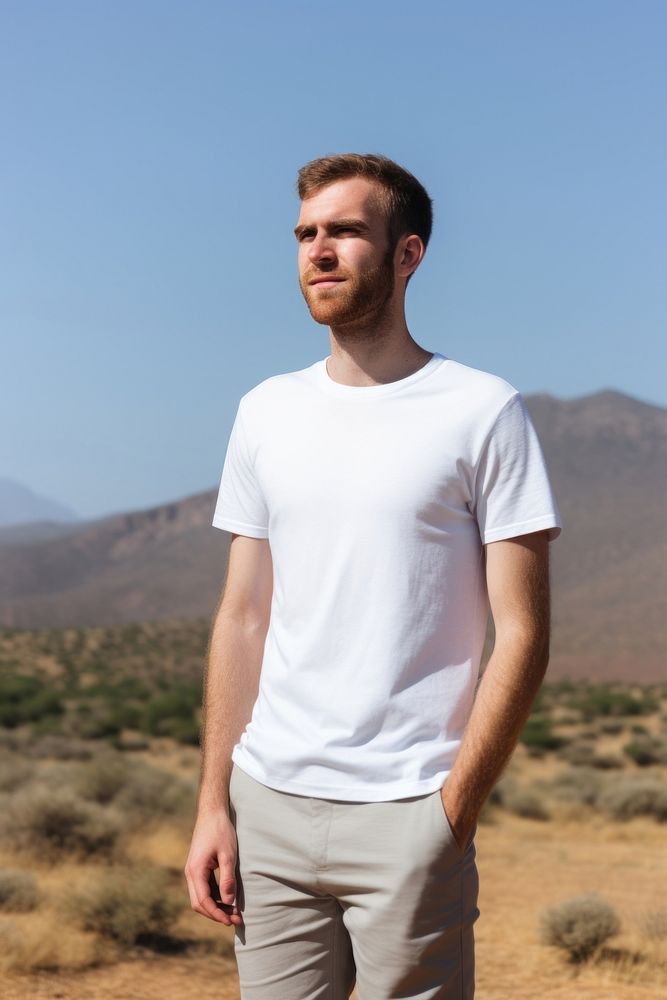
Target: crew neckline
{"type": "Point", "coordinates": [366, 392]}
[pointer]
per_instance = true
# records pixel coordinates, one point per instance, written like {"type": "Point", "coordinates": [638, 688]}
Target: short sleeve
{"type": "Point", "coordinates": [240, 507]}
{"type": "Point", "coordinates": [512, 492]}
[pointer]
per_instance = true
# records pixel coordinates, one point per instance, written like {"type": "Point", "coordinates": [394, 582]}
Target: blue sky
{"type": "Point", "coordinates": [147, 261]}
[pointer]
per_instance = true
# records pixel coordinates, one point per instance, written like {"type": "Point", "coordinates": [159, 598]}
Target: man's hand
{"type": "Point", "coordinates": [213, 846]}
{"type": "Point", "coordinates": [233, 669]}
{"type": "Point", "coordinates": [517, 575]}
{"type": "Point", "coordinates": [461, 819]}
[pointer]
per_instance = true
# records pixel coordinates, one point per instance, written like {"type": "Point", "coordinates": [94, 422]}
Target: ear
{"type": "Point", "coordinates": [410, 251]}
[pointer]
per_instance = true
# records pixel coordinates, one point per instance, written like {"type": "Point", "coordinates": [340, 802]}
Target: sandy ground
{"type": "Point", "coordinates": [524, 866]}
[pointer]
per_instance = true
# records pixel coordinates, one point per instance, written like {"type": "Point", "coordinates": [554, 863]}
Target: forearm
{"type": "Point", "coordinates": [231, 683]}
{"type": "Point", "coordinates": [504, 698]}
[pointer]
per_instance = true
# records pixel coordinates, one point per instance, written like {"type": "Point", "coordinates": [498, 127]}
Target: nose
{"type": "Point", "coordinates": [321, 250]}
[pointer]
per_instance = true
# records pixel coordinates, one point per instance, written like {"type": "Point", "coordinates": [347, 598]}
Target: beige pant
{"type": "Point", "coordinates": [334, 891]}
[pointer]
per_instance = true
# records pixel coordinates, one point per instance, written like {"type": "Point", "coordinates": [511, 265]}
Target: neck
{"type": "Point", "coordinates": [374, 355]}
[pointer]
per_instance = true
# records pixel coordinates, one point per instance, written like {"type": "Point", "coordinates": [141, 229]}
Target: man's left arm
{"type": "Point", "coordinates": [517, 575]}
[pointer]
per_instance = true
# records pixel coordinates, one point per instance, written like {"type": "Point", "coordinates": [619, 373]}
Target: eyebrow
{"type": "Point", "coordinates": [351, 223]}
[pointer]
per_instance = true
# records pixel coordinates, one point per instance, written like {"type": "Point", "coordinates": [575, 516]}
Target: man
{"type": "Point", "coordinates": [379, 501]}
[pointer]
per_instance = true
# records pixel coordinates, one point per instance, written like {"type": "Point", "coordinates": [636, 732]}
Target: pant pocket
{"type": "Point", "coordinates": [439, 805]}
{"type": "Point", "coordinates": [233, 789]}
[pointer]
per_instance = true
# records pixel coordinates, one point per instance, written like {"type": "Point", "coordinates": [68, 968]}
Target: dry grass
{"type": "Point", "coordinates": [37, 941]}
{"type": "Point", "coordinates": [525, 865]}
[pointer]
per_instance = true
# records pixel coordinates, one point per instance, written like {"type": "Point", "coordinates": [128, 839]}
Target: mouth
{"type": "Point", "coordinates": [326, 281]}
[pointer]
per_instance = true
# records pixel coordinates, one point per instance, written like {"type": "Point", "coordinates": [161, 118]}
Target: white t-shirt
{"type": "Point", "coordinates": [376, 501]}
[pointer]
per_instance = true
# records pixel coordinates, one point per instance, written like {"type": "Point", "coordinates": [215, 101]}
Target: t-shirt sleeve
{"type": "Point", "coordinates": [512, 491]}
{"type": "Point", "coordinates": [240, 507]}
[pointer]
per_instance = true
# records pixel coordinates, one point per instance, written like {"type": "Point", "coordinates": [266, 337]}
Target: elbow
{"type": "Point", "coordinates": [528, 643]}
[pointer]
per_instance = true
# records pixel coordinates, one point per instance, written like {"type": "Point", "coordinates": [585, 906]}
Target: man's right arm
{"type": "Point", "coordinates": [233, 668]}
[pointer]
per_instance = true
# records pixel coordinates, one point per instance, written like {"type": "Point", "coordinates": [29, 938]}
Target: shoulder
{"type": "Point", "coordinates": [274, 390]}
{"type": "Point", "coordinates": [486, 389]}
{"type": "Point", "coordinates": [478, 398]}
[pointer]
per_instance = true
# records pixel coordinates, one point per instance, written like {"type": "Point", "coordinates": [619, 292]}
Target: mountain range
{"type": "Point", "coordinates": [607, 459]}
{"type": "Point", "coordinates": [20, 505]}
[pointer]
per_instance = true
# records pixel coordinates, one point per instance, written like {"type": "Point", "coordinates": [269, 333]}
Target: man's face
{"type": "Point", "coordinates": [346, 268]}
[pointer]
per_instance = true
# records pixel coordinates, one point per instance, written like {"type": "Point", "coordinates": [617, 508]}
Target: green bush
{"type": "Point", "coordinates": [538, 736]}
{"type": "Point", "coordinates": [606, 701]}
{"type": "Point", "coordinates": [127, 906]}
{"type": "Point", "coordinates": [579, 925]}
{"type": "Point", "coordinates": [96, 721]}
{"type": "Point", "coordinates": [18, 891]}
{"type": "Point", "coordinates": [124, 690]}
{"type": "Point", "coordinates": [49, 725]}
{"type": "Point", "coordinates": [26, 699]}
{"type": "Point", "coordinates": [183, 730]}
{"type": "Point", "coordinates": [179, 703]}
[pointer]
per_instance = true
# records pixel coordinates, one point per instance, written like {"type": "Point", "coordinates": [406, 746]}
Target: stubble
{"type": "Point", "coordinates": [357, 307]}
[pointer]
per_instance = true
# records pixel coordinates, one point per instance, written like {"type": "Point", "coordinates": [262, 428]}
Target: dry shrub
{"type": "Point", "coordinates": [14, 771]}
{"type": "Point", "coordinates": [40, 943]}
{"type": "Point", "coordinates": [525, 802]}
{"type": "Point", "coordinates": [566, 718]}
{"type": "Point", "coordinates": [140, 792]}
{"type": "Point", "coordinates": [611, 727]}
{"type": "Point", "coordinates": [607, 762]}
{"type": "Point", "coordinates": [631, 796]}
{"type": "Point", "coordinates": [518, 799]}
{"type": "Point", "coordinates": [59, 747]}
{"type": "Point", "coordinates": [579, 753]}
{"type": "Point", "coordinates": [654, 925]}
{"type": "Point", "coordinates": [9, 740]}
{"type": "Point", "coordinates": [101, 779]}
{"type": "Point", "coordinates": [579, 925]}
{"type": "Point", "coordinates": [150, 794]}
{"type": "Point", "coordinates": [577, 784]}
{"type": "Point", "coordinates": [647, 750]}
{"type": "Point", "coordinates": [127, 905]}
{"type": "Point", "coordinates": [131, 742]}
{"type": "Point", "coordinates": [55, 823]}
{"type": "Point", "coordinates": [18, 891]}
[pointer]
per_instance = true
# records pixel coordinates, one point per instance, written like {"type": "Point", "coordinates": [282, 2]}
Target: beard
{"type": "Point", "coordinates": [357, 302]}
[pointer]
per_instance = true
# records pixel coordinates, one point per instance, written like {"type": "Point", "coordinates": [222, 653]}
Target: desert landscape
{"type": "Point", "coordinates": [607, 458]}
{"type": "Point", "coordinates": [98, 772]}
{"type": "Point", "coordinates": [103, 636]}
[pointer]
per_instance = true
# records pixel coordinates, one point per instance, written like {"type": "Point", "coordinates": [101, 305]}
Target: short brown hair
{"type": "Point", "coordinates": [408, 205]}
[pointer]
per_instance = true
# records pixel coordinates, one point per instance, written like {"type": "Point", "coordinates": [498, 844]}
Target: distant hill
{"type": "Point", "coordinates": [20, 505]}
{"type": "Point", "coordinates": [607, 455]}
{"type": "Point", "coordinates": [163, 563]}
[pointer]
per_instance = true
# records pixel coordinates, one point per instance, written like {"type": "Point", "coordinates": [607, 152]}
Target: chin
{"type": "Point", "coordinates": [324, 312]}
{"type": "Point", "coordinates": [323, 317]}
